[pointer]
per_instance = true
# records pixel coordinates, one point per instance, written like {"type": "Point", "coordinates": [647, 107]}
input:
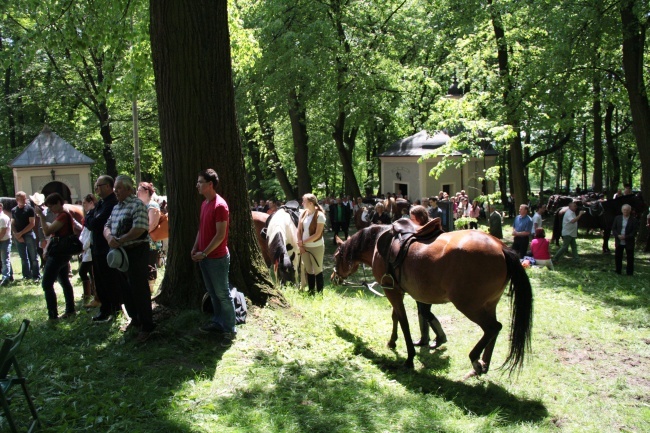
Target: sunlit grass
{"type": "Point", "coordinates": [323, 365]}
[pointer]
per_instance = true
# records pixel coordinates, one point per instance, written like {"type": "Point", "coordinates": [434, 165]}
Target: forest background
{"type": "Point", "coordinates": [323, 87]}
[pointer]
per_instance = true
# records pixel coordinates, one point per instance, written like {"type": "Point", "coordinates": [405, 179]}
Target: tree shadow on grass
{"type": "Point", "coordinates": [84, 376]}
{"type": "Point", "coordinates": [475, 396]}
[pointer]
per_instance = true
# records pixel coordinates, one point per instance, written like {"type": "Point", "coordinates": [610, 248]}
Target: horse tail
{"type": "Point", "coordinates": [521, 305]}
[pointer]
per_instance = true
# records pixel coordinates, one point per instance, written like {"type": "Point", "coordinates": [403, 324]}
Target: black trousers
{"type": "Point", "coordinates": [107, 283]}
{"type": "Point", "coordinates": [618, 257]}
{"type": "Point", "coordinates": [135, 287]}
{"type": "Point", "coordinates": [520, 245]}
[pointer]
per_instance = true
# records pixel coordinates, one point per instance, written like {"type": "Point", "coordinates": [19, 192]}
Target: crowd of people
{"type": "Point", "coordinates": [118, 257]}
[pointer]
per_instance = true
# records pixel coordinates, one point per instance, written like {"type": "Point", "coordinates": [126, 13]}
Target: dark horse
{"type": "Point", "coordinates": [435, 272]}
{"type": "Point", "coordinates": [600, 215]}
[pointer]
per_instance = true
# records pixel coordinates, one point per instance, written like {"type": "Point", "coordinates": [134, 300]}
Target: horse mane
{"type": "Point", "coordinates": [362, 240]}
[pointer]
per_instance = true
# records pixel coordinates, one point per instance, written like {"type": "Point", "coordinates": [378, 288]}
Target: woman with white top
{"type": "Point", "coordinates": [311, 242]}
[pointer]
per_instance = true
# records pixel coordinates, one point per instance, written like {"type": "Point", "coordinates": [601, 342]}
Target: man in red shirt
{"type": "Point", "coordinates": [210, 250]}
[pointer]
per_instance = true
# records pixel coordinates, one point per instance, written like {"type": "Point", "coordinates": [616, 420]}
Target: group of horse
{"type": "Point", "coordinates": [599, 213]}
{"type": "Point", "coordinates": [431, 270]}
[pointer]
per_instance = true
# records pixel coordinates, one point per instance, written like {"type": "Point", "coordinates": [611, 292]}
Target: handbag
{"type": "Point", "coordinates": [162, 230]}
{"type": "Point", "coordinates": [65, 245]}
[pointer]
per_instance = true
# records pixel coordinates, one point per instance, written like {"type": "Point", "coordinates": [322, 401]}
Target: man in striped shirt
{"type": "Point", "coordinates": [128, 228]}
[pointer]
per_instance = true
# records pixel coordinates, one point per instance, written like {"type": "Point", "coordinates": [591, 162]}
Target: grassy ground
{"type": "Point", "coordinates": [323, 366]}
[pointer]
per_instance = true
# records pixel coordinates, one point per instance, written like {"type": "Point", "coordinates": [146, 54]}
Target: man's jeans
{"type": "Point", "coordinates": [5, 258]}
{"type": "Point", "coordinates": [28, 257]}
{"type": "Point", "coordinates": [215, 277]}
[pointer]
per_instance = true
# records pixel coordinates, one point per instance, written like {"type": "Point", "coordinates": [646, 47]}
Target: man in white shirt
{"type": "Point", "coordinates": [569, 232]}
{"type": "Point", "coordinates": [537, 218]}
{"type": "Point", "coordinates": [5, 248]}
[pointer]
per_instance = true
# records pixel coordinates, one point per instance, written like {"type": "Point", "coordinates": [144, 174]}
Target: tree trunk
{"type": "Point", "coordinates": [272, 159]}
{"type": "Point", "coordinates": [345, 154]}
{"type": "Point", "coordinates": [105, 132]}
{"type": "Point", "coordinates": [190, 47]}
{"type": "Point", "coordinates": [614, 165]}
{"type": "Point", "coordinates": [254, 175]}
{"type": "Point", "coordinates": [298, 117]}
{"type": "Point", "coordinates": [597, 178]}
{"type": "Point", "coordinates": [633, 47]}
{"type": "Point", "coordinates": [583, 163]}
{"type": "Point", "coordinates": [510, 104]}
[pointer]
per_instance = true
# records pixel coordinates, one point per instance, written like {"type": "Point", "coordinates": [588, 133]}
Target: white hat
{"type": "Point", "coordinates": [37, 198]}
{"type": "Point", "coordinates": [118, 259]}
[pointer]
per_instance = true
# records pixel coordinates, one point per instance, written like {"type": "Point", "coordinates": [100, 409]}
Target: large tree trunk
{"type": "Point", "coordinates": [633, 32]}
{"type": "Point", "coordinates": [190, 46]}
{"type": "Point", "coordinates": [298, 116]}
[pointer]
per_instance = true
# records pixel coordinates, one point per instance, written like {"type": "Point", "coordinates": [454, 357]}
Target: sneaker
{"type": "Point", "coordinates": [37, 280]}
{"type": "Point", "coordinates": [211, 327]}
{"type": "Point", "coordinates": [228, 338]}
{"type": "Point", "coordinates": [102, 318]}
{"type": "Point", "coordinates": [4, 282]}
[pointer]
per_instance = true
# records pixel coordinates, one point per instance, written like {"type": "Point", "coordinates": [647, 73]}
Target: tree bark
{"type": "Point", "coordinates": [597, 178]}
{"type": "Point", "coordinates": [614, 165]}
{"type": "Point", "coordinates": [272, 158]}
{"type": "Point", "coordinates": [351, 186]}
{"type": "Point", "coordinates": [190, 46]}
{"type": "Point", "coordinates": [634, 35]}
{"type": "Point", "coordinates": [298, 117]}
{"type": "Point", "coordinates": [512, 118]}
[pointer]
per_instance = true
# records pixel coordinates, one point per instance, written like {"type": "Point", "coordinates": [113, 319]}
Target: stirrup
{"type": "Point", "coordinates": [387, 286]}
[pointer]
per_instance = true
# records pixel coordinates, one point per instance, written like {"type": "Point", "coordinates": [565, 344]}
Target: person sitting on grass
{"type": "Point", "coordinates": [539, 248]}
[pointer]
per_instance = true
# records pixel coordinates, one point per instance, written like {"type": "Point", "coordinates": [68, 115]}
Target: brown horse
{"type": "Point", "coordinates": [259, 221]}
{"type": "Point", "coordinates": [436, 272]}
{"type": "Point", "coordinates": [394, 207]}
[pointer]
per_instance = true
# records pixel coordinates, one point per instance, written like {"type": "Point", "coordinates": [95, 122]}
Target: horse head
{"type": "Point", "coordinates": [343, 267]}
{"type": "Point", "coordinates": [282, 259]}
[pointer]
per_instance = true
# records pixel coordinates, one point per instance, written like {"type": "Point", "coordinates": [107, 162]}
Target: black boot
{"type": "Point", "coordinates": [424, 331]}
{"type": "Point", "coordinates": [320, 283]}
{"type": "Point", "coordinates": [311, 282]}
{"type": "Point", "coordinates": [441, 338]}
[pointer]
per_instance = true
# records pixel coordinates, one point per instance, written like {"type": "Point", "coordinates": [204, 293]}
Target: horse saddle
{"type": "Point", "coordinates": [293, 209]}
{"type": "Point", "coordinates": [393, 245]}
{"type": "Point", "coordinates": [595, 208]}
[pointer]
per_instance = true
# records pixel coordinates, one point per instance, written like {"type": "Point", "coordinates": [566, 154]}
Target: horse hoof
{"type": "Point", "coordinates": [391, 345]}
{"type": "Point", "coordinates": [409, 365]}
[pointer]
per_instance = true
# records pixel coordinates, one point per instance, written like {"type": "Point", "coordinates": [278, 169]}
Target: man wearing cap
{"type": "Point", "coordinates": [23, 221]}
{"type": "Point", "coordinates": [210, 250]}
{"type": "Point", "coordinates": [5, 247]}
{"type": "Point", "coordinates": [128, 228]}
{"type": "Point", "coordinates": [107, 279]}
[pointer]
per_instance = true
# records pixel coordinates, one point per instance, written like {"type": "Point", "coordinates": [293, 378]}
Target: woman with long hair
{"type": "Point", "coordinates": [56, 265]}
{"type": "Point", "coordinates": [311, 242]}
{"type": "Point", "coordinates": [145, 191]}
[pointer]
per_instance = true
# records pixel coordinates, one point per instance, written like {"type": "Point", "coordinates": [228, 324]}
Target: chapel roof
{"type": "Point", "coordinates": [48, 149]}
